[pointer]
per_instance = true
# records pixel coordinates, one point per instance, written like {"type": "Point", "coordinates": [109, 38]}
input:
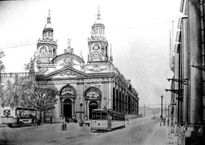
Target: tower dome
{"type": "Point", "coordinates": [46, 47]}
{"type": "Point", "coordinates": [98, 45]}
{"type": "Point", "coordinates": [48, 24]}
{"type": "Point", "coordinates": [98, 28]}
{"type": "Point", "coordinates": [48, 30]}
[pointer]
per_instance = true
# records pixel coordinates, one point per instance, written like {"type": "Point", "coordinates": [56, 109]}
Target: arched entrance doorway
{"type": "Point", "coordinates": [67, 106]}
{"type": "Point", "coordinates": [68, 96]}
{"type": "Point", "coordinates": [92, 105]}
{"type": "Point", "coordinates": [92, 100]}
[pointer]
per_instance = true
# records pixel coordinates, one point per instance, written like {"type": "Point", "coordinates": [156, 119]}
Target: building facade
{"type": "Point", "coordinates": [82, 86]}
{"type": "Point", "coordinates": [188, 93]}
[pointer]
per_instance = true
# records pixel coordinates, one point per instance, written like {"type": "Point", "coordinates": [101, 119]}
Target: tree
{"type": "Point", "coordinates": [7, 95]}
{"type": "Point", "coordinates": [2, 66]}
{"type": "Point", "coordinates": [40, 97]}
{"type": "Point", "coordinates": [44, 100]}
{"type": "Point", "coordinates": [10, 96]}
{"type": "Point", "coordinates": [36, 96]}
{"type": "Point", "coordinates": [1, 94]}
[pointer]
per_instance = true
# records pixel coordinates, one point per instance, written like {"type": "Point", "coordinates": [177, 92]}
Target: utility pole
{"type": "Point", "coordinates": [161, 106]}
{"type": "Point", "coordinates": [165, 110]}
{"type": "Point", "coordinates": [144, 109]}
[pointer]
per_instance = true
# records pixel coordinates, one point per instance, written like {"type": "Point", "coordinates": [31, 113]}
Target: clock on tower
{"type": "Point", "coordinates": [46, 47]}
{"type": "Point", "coordinates": [97, 42]}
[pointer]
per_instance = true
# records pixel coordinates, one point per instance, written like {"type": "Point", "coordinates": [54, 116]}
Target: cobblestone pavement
{"type": "Point", "coordinates": [140, 131]}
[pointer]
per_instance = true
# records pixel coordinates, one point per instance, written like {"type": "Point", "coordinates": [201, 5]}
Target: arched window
{"type": "Point", "coordinates": [68, 91]}
{"type": "Point", "coordinates": [92, 93]}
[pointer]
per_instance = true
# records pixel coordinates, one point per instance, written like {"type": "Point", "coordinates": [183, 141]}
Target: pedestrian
{"type": "Point", "coordinates": [164, 120]}
{"type": "Point", "coordinates": [64, 125]}
{"type": "Point", "coordinates": [160, 120]}
{"type": "Point", "coordinates": [50, 120]}
{"type": "Point", "coordinates": [168, 122]}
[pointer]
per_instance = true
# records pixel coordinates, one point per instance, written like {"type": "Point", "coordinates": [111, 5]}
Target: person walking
{"type": "Point", "coordinates": [64, 125]}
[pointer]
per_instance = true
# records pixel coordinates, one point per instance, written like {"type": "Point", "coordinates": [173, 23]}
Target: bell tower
{"type": "Point", "coordinates": [97, 43]}
{"type": "Point", "coordinates": [46, 47]}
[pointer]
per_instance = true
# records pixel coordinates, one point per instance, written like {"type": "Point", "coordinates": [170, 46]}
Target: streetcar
{"type": "Point", "coordinates": [18, 116]}
{"type": "Point", "coordinates": [107, 120]}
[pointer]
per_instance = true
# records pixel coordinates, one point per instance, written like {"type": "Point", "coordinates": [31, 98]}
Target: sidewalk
{"type": "Point", "coordinates": [162, 136]}
{"type": "Point", "coordinates": [159, 136]}
{"type": "Point", "coordinates": [2, 125]}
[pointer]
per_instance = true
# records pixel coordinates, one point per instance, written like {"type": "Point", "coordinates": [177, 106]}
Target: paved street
{"type": "Point", "coordinates": [141, 131]}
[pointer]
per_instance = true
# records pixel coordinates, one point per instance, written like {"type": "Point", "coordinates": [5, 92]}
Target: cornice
{"type": "Point", "coordinates": [65, 69]}
{"type": "Point", "coordinates": [65, 55]}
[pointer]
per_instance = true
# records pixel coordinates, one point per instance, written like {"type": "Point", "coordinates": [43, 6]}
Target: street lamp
{"type": "Point", "coordinates": [161, 106]}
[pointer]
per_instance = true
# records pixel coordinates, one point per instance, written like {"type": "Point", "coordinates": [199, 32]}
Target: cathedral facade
{"type": "Point", "coordinates": [82, 86]}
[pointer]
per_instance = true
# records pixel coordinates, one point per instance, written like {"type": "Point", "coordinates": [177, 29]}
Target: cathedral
{"type": "Point", "coordinates": [84, 86]}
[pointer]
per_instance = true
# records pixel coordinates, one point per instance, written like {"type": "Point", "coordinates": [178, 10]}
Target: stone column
{"type": "Point", "coordinates": [120, 100]}
{"type": "Point", "coordinates": [61, 103]}
{"type": "Point", "coordinates": [117, 100]}
{"type": "Point", "coordinates": [73, 115]}
{"type": "Point", "coordinates": [86, 108]}
{"type": "Point", "coordinates": [124, 102]}
{"type": "Point", "coordinates": [193, 133]}
{"type": "Point", "coordinates": [135, 107]}
{"type": "Point", "coordinates": [113, 98]}
{"type": "Point", "coordinates": [195, 58]}
{"type": "Point", "coordinates": [129, 104]}
{"type": "Point", "coordinates": [176, 87]}
{"type": "Point", "coordinates": [186, 66]}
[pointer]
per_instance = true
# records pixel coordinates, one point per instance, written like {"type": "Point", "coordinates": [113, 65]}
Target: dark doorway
{"type": "Point", "coordinates": [67, 109]}
{"type": "Point", "coordinates": [92, 105]}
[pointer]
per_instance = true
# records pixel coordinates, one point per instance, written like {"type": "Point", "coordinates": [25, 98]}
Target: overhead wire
{"type": "Point", "coordinates": [16, 45]}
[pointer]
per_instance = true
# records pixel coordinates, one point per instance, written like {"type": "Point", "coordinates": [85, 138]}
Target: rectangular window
{"type": "Point", "coordinates": [7, 112]}
{"type": "Point", "coordinates": [98, 115]}
{"type": "Point", "coordinates": [104, 115]}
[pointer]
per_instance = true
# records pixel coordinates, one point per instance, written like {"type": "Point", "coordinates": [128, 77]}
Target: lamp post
{"type": "Point", "coordinates": [161, 106]}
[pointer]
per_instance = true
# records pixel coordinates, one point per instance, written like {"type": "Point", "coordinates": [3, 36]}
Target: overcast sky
{"type": "Point", "coordinates": [137, 29]}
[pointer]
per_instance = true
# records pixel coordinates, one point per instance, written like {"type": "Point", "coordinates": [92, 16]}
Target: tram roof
{"type": "Point", "coordinates": [107, 110]}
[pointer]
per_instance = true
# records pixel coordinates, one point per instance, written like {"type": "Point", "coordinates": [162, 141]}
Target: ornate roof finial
{"type": "Point", "coordinates": [49, 12]}
{"type": "Point", "coordinates": [69, 42]}
{"type": "Point", "coordinates": [49, 16]}
{"type": "Point", "coordinates": [98, 15]}
{"type": "Point", "coordinates": [69, 49]}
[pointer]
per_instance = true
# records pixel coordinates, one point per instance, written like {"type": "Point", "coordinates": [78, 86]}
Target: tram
{"type": "Point", "coordinates": [104, 119]}
{"type": "Point", "coordinates": [18, 115]}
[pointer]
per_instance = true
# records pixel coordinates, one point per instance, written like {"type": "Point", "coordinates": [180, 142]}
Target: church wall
{"type": "Point", "coordinates": [80, 101]}
{"type": "Point", "coordinates": [56, 111]}
{"type": "Point", "coordinates": [98, 78]}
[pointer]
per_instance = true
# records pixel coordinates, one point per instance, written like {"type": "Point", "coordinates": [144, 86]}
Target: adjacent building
{"type": "Point", "coordinates": [188, 93]}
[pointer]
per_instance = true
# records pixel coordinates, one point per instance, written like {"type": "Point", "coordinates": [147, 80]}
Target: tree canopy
{"type": "Point", "coordinates": [27, 92]}
{"type": "Point", "coordinates": [37, 96]}
{"type": "Point", "coordinates": [2, 66]}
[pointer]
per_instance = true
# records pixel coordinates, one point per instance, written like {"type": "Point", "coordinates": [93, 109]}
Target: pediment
{"type": "Point", "coordinates": [69, 59]}
{"type": "Point", "coordinates": [66, 72]}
